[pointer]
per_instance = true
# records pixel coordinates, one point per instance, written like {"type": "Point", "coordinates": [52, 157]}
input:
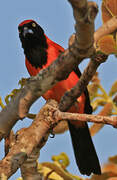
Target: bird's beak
{"type": "Point", "coordinates": [27, 31]}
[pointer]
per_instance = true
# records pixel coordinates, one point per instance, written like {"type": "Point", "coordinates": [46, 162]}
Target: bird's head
{"type": "Point", "coordinates": [34, 42]}
{"type": "Point", "coordinates": [31, 34]}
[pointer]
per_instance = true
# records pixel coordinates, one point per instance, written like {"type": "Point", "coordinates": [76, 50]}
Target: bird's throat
{"type": "Point", "coordinates": [37, 56]}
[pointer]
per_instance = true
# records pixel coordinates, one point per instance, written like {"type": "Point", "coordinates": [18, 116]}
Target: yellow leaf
{"type": "Point", "coordinates": [110, 167]}
{"type": "Point", "coordinates": [112, 6]}
{"type": "Point", "coordinates": [107, 45]}
{"type": "Point", "coordinates": [113, 89]}
{"type": "Point", "coordinates": [7, 99]}
{"type": "Point", "coordinates": [1, 103]}
{"type": "Point", "coordinates": [93, 89]}
{"type": "Point", "coordinates": [109, 9]}
{"type": "Point", "coordinates": [52, 175]}
{"type": "Point", "coordinates": [62, 159]}
{"type": "Point", "coordinates": [22, 82]}
{"type": "Point", "coordinates": [55, 171]}
{"type": "Point", "coordinates": [113, 159]}
{"type": "Point", "coordinates": [106, 15]}
{"type": "Point", "coordinates": [95, 128]}
{"type": "Point", "coordinates": [11, 95]}
{"type": "Point", "coordinates": [98, 102]}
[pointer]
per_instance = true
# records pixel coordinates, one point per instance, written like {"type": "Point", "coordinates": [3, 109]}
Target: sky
{"type": "Point", "coordinates": [57, 20]}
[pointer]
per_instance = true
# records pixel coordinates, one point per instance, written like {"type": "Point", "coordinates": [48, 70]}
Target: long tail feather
{"type": "Point", "coordinates": [85, 154]}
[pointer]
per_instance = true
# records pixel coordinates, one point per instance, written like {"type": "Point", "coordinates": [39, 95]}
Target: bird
{"type": "Point", "coordinates": [40, 52]}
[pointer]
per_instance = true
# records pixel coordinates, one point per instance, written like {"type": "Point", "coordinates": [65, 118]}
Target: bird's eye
{"type": "Point", "coordinates": [33, 24]}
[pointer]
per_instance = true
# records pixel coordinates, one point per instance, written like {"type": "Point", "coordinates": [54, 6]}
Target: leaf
{"type": "Point", "coordinates": [1, 103]}
{"type": "Point", "coordinates": [11, 95]}
{"type": "Point", "coordinates": [57, 169]}
{"type": "Point", "coordinates": [103, 176]}
{"type": "Point", "coordinates": [62, 159]}
{"type": "Point", "coordinates": [110, 167]}
{"type": "Point", "coordinates": [106, 15]}
{"type": "Point", "coordinates": [97, 102]}
{"type": "Point", "coordinates": [58, 172]}
{"type": "Point", "coordinates": [113, 159]}
{"type": "Point", "coordinates": [93, 89]}
{"type": "Point", "coordinates": [113, 89]}
{"type": "Point", "coordinates": [94, 86]}
{"type": "Point", "coordinates": [111, 5]}
{"type": "Point", "coordinates": [107, 45]}
{"type": "Point", "coordinates": [22, 82]}
{"type": "Point", "coordinates": [109, 9]}
{"type": "Point", "coordinates": [95, 128]}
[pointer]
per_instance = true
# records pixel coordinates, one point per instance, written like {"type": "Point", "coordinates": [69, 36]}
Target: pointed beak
{"type": "Point", "coordinates": [27, 31]}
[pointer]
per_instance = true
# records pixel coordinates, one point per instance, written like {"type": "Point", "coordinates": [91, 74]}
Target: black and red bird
{"type": "Point", "coordinates": [40, 52]}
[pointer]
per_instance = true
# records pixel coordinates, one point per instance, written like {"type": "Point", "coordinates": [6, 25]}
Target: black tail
{"type": "Point", "coordinates": [85, 154]}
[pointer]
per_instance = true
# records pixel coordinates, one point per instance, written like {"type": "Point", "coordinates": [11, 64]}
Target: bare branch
{"type": "Point", "coordinates": [106, 111]}
{"type": "Point", "coordinates": [84, 14]}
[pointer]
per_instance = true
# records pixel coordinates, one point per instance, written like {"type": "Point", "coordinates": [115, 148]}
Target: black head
{"type": "Point", "coordinates": [33, 42]}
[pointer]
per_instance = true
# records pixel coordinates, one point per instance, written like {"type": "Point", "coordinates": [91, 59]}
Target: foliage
{"type": "Point", "coordinates": [99, 97]}
{"type": "Point", "coordinates": [108, 43]}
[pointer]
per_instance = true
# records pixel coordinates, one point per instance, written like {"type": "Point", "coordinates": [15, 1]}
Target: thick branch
{"type": "Point", "coordinates": [36, 135]}
{"type": "Point", "coordinates": [27, 140]}
{"type": "Point", "coordinates": [84, 14]}
{"type": "Point", "coordinates": [29, 169]}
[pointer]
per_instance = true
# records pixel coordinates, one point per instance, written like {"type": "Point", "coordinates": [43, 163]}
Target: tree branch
{"type": "Point", "coordinates": [84, 14]}
{"type": "Point", "coordinates": [71, 95]}
{"type": "Point", "coordinates": [58, 115]}
{"type": "Point", "coordinates": [29, 169]}
{"type": "Point", "coordinates": [36, 135]}
{"type": "Point", "coordinates": [106, 111]}
{"type": "Point", "coordinates": [27, 140]}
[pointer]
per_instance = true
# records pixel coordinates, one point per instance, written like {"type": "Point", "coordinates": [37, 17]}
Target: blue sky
{"type": "Point", "coordinates": [56, 18]}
